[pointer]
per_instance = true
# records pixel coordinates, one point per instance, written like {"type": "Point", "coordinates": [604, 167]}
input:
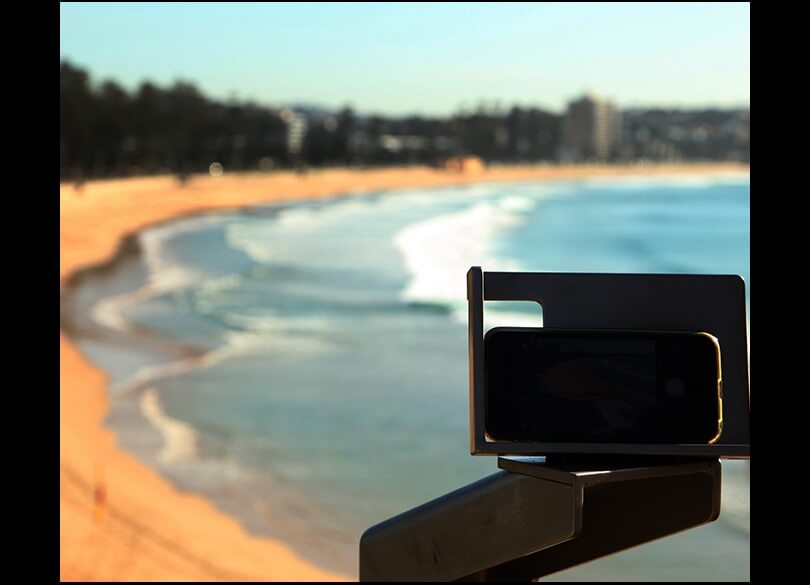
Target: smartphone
{"type": "Point", "coordinates": [602, 386]}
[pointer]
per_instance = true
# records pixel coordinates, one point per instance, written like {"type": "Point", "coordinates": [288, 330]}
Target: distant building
{"type": "Point", "coordinates": [296, 131]}
{"type": "Point", "coordinates": [464, 164]}
{"type": "Point", "coordinates": [591, 130]}
{"type": "Point", "coordinates": [693, 135]}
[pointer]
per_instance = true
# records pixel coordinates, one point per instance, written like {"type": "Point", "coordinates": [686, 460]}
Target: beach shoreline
{"type": "Point", "coordinates": [121, 520]}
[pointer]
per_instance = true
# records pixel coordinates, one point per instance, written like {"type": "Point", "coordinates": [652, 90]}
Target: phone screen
{"type": "Point", "coordinates": [601, 387]}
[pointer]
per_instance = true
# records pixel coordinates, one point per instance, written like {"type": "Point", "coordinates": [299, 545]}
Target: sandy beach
{"type": "Point", "coordinates": [119, 519]}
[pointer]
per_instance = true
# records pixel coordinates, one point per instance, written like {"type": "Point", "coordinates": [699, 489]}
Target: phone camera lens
{"type": "Point", "coordinates": [675, 388]}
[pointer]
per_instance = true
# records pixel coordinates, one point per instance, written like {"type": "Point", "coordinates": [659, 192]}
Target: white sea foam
{"type": "Point", "coordinates": [697, 181]}
{"type": "Point", "coordinates": [242, 237]}
{"type": "Point", "coordinates": [303, 235]}
{"type": "Point", "coordinates": [292, 338]}
{"type": "Point", "coordinates": [179, 438]}
{"type": "Point", "coordinates": [109, 311]}
{"type": "Point", "coordinates": [517, 203]}
{"type": "Point", "coordinates": [152, 373]}
{"type": "Point", "coordinates": [438, 252]}
{"type": "Point", "coordinates": [266, 322]}
{"type": "Point", "coordinates": [164, 275]}
{"type": "Point", "coordinates": [222, 283]}
{"type": "Point", "coordinates": [267, 334]}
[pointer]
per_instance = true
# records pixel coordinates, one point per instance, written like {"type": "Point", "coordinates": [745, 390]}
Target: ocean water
{"type": "Point", "coordinates": [305, 367]}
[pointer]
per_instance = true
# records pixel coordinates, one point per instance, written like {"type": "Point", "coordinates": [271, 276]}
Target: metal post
{"type": "Point", "coordinates": [534, 518]}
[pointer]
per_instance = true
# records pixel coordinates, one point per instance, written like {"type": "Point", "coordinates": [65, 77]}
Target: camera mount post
{"type": "Point", "coordinates": [580, 502]}
{"type": "Point", "coordinates": [534, 518]}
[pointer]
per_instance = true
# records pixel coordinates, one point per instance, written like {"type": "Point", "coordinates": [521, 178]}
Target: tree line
{"type": "Point", "coordinates": [107, 131]}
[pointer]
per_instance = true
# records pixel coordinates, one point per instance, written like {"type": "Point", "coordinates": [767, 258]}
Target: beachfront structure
{"type": "Point", "coordinates": [296, 131]}
{"type": "Point", "coordinates": [591, 129]}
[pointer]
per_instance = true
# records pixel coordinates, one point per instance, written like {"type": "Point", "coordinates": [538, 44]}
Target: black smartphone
{"type": "Point", "coordinates": [601, 386]}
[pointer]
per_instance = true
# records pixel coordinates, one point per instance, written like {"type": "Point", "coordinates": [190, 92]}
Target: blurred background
{"type": "Point", "coordinates": [302, 365]}
{"type": "Point", "coordinates": [168, 89]}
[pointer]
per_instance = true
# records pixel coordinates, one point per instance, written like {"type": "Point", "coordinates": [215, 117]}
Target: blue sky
{"type": "Point", "coordinates": [428, 58]}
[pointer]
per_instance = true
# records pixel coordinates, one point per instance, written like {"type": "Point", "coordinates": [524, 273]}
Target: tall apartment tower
{"type": "Point", "coordinates": [591, 129]}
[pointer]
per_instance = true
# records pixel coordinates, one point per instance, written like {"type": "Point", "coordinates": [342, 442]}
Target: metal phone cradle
{"type": "Point", "coordinates": [578, 502]}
